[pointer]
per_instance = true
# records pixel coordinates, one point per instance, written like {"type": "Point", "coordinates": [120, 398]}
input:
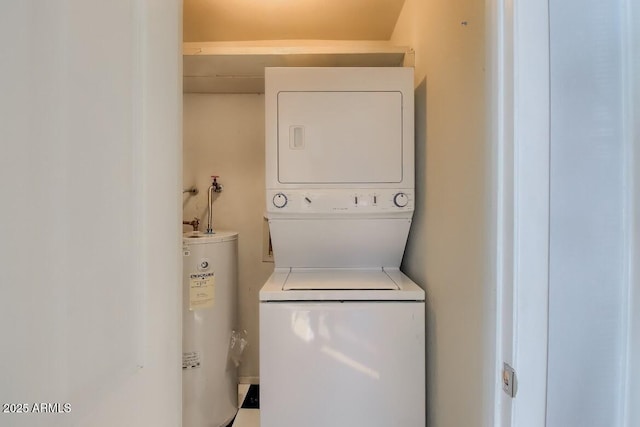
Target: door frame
{"type": "Point", "coordinates": [631, 120]}
{"type": "Point", "coordinates": [519, 123]}
{"type": "Point", "coordinates": [518, 64]}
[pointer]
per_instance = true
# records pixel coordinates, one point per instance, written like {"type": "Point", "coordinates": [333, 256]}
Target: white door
{"type": "Point", "coordinates": [89, 225]}
{"type": "Point", "coordinates": [589, 224]}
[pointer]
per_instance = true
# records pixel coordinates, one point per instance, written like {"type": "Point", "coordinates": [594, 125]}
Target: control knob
{"type": "Point", "coordinates": [400, 200]}
{"type": "Point", "coordinates": [280, 200]}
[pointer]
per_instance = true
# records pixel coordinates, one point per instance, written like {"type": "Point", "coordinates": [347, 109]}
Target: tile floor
{"type": "Point", "coordinates": [249, 412]}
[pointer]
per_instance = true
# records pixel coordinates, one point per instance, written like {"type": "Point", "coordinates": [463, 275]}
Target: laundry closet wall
{"type": "Point", "coordinates": [224, 135]}
{"type": "Point", "coordinates": [449, 249]}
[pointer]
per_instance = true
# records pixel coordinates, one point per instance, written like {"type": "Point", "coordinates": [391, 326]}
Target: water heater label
{"type": "Point", "coordinates": [201, 290]}
{"type": "Point", "coordinates": [190, 360]}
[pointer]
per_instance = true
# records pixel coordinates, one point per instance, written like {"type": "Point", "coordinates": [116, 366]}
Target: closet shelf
{"type": "Point", "coordinates": [238, 67]}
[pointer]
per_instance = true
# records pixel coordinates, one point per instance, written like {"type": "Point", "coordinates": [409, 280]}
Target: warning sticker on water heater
{"type": "Point", "coordinates": [201, 290]}
{"type": "Point", "coordinates": [190, 360]}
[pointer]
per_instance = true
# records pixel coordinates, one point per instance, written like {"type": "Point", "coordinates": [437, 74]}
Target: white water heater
{"type": "Point", "coordinates": [209, 377]}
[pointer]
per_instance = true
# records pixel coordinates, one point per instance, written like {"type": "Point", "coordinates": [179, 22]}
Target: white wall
{"type": "Point", "coordinates": [449, 251]}
{"type": "Point", "coordinates": [224, 135]}
{"type": "Point", "coordinates": [89, 231]}
{"type": "Point", "coordinates": [587, 285]}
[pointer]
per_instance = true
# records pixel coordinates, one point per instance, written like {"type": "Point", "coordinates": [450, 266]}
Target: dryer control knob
{"type": "Point", "coordinates": [400, 200]}
{"type": "Point", "coordinates": [280, 200]}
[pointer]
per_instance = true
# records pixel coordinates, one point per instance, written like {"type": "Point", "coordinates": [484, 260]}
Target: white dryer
{"type": "Point", "coordinates": [341, 328]}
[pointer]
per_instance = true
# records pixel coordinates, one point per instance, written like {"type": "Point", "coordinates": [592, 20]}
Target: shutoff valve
{"type": "Point", "coordinates": [217, 187]}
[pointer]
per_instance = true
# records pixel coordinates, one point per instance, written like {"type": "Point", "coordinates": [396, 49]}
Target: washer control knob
{"type": "Point", "coordinates": [280, 200]}
{"type": "Point", "coordinates": [400, 200]}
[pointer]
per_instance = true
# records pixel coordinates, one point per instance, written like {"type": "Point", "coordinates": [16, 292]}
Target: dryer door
{"type": "Point", "coordinates": [340, 137]}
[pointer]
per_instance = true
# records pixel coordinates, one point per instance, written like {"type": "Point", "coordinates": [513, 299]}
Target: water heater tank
{"type": "Point", "coordinates": [209, 378]}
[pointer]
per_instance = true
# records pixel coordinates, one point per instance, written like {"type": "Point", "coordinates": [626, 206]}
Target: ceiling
{"type": "Point", "coordinates": [236, 20]}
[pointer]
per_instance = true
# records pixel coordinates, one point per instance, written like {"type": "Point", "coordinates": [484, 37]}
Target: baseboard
{"type": "Point", "coordinates": [249, 380]}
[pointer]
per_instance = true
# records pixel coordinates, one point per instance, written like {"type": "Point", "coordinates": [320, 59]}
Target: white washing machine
{"type": "Point", "coordinates": [341, 327]}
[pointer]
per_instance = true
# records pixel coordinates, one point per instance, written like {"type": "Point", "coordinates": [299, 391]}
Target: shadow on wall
{"type": "Point", "coordinates": [415, 243]}
{"type": "Point", "coordinates": [416, 236]}
{"type": "Point", "coordinates": [421, 149]}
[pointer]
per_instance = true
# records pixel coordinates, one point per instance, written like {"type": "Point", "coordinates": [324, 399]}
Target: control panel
{"type": "Point", "coordinates": [340, 201]}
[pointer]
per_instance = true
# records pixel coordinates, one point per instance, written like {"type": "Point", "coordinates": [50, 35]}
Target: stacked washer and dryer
{"type": "Point", "coordinates": [342, 338]}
